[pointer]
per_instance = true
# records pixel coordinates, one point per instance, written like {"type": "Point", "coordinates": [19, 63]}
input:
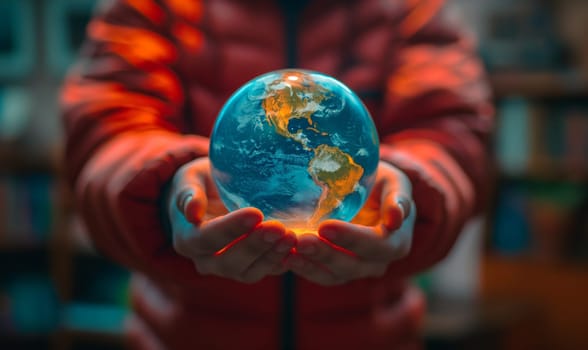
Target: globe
{"type": "Point", "coordinates": [296, 144]}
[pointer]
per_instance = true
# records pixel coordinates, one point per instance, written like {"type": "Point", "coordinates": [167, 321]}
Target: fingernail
{"type": "Point", "coordinates": [404, 205]}
{"type": "Point", "coordinates": [183, 199]}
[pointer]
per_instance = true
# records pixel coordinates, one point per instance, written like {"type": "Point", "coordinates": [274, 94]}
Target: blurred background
{"type": "Point", "coordinates": [517, 279]}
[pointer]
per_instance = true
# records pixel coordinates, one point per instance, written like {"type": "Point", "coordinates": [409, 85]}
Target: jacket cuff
{"type": "Point", "coordinates": [444, 199]}
{"type": "Point", "coordinates": [121, 190]}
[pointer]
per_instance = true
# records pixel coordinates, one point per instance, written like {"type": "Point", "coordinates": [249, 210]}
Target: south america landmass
{"type": "Point", "coordinates": [295, 96]}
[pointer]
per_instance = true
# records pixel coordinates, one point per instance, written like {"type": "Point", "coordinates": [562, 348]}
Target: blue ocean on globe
{"type": "Point", "coordinates": [296, 144]}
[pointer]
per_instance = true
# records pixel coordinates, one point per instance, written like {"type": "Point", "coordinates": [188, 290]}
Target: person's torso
{"type": "Point", "coordinates": [238, 40]}
{"type": "Point", "coordinates": [230, 43]}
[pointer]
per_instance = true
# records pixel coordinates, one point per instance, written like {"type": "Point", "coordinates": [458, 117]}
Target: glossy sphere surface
{"type": "Point", "coordinates": [298, 145]}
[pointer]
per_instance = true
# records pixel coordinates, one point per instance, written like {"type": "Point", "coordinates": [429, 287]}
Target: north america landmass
{"type": "Point", "coordinates": [296, 96]}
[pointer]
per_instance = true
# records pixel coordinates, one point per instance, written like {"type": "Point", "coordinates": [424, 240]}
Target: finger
{"type": "Point", "coordinates": [321, 252]}
{"type": "Point", "coordinates": [272, 262]}
{"type": "Point", "coordinates": [401, 238]}
{"type": "Point", "coordinates": [216, 234]}
{"type": "Point", "coordinates": [325, 253]}
{"type": "Point", "coordinates": [338, 262]}
{"type": "Point", "coordinates": [278, 270]}
{"type": "Point", "coordinates": [190, 191]}
{"type": "Point", "coordinates": [366, 242]}
{"type": "Point", "coordinates": [192, 202]}
{"type": "Point", "coordinates": [395, 197]}
{"type": "Point", "coordinates": [394, 181]}
{"type": "Point", "coordinates": [311, 271]}
{"type": "Point", "coordinates": [395, 209]}
{"type": "Point", "coordinates": [235, 260]}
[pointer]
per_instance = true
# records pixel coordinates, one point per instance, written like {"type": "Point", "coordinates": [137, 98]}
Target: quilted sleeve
{"type": "Point", "coordinates": [435, 125]}
{"type": "Point", "coordinates": [123, 109]}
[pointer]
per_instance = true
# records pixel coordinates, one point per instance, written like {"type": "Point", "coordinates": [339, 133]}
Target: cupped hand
{"type": "Point", "coordinates": [236, 245]}
{"type": "Point", "coordinates": [379, 234]}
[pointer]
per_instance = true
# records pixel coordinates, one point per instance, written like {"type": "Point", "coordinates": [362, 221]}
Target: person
{"type": "Point", "coordinates": [138, 108]}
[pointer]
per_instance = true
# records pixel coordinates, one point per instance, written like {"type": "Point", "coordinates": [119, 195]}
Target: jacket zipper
{"type": "Point", "coordinates": [291, 10]}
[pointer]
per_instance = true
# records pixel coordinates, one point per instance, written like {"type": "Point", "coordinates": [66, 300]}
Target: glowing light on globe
{"type": "Point", "coordinates": [298, 145]}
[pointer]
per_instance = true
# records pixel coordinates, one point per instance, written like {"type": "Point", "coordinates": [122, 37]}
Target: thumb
{"type": "Point", "coordinates": [191, 199]}
{"type": "Point", "coordinates": [395, 209]}
{"type": "Point", "coordinates": [396, 201]}
{"type": "Point", "coordinates": [192, 202]}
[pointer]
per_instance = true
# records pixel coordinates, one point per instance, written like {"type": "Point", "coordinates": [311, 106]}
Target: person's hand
{"type": "Point", "coordinates": [378, 235]}
{"type": "Point", "coordinates": [236, 245]}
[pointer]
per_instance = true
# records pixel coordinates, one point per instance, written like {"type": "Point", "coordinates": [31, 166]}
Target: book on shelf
{"type": "Point", "coordinates": [542, 148]}
{"type": "Point", "coordinates": [542, 220]}
{"type": "Point", "coordinates": [27, 209]}
{"type": "Point", "coordinates": [17, 33]}
{"type": "Point", "coordinates": [28, 304]}
{"type": "Point", "coordinates": [542, 139]}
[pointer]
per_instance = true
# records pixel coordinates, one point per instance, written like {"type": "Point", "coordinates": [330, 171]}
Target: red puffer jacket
{"type": "Point", "coordinates": [141, 102]}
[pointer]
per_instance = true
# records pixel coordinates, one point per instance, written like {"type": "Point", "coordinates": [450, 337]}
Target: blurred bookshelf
{"type": "Point", "coordinates": [55, 293]}
{"type": "Point", "coordinates": [536, 249]}
{"type": "Point", "coordinates": [537, 244]}
{"type": "Point", "coordinates": [547, 85]}
{"type": "Point", "coordinates": [541, 148]}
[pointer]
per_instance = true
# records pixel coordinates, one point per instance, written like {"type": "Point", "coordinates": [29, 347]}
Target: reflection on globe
{"type": "Point", "coordinates": [298, 145]}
